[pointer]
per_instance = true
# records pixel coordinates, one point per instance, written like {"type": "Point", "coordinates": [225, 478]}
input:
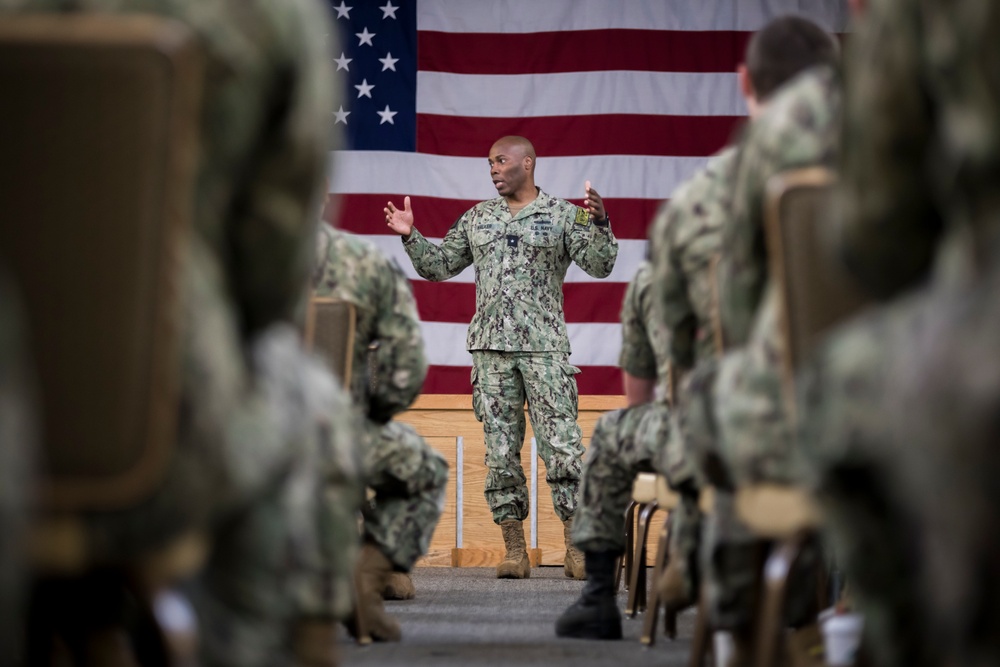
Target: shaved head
{"type": "Point", "coordinates": [515, 146]}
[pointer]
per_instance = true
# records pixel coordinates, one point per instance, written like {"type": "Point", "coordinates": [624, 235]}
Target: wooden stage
{"type": "Point", "coordinates": [466, 535]}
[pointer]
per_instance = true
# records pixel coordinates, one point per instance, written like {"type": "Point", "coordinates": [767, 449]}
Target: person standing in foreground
{"type": "Point", "coordinates": [521, 244]}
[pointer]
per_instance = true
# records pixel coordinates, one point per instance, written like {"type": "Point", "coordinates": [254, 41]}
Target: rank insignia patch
{"type": "Point", "coordinates": [582, 217]}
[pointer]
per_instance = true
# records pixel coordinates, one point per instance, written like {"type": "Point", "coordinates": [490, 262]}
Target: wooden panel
{"type": "Point", "coordinates": [443, 541]}
{"type": "Point", "coordinates": [443, 418]}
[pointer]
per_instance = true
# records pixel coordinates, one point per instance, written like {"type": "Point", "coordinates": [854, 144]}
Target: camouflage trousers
{"type": "Point", "coordinates": [738, 431]}
{"type": "Point", "coordinates": [855, 462]}
{"type": "Point", "coordinates": [409, 480]}
{"type": "Point", "coordinates": [501, 382]}
{"type": "Point", "coordinates": [623, 444]}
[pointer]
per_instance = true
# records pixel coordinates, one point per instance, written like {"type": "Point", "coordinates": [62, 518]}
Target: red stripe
{"type": "Point", "coordinates": [362, 214]}
{"type": "Point", "coordinates": [581, 51]}
{"type": "Point", "coordinates": [593, 380]}
{"type": "Point", "coordinates": [456, 302]}
{"type": "Point", "coordinates": [611, 134]}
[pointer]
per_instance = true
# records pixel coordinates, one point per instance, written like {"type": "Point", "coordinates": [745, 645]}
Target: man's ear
{"type": "Point", "coordinates": [743, 75]}
{"type": "Point", "coordinates": [528, 163]}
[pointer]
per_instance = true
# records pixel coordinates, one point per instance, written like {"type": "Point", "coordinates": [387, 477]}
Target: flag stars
{"type": "Point", "coordinates": [364, 37]}
{"type": "Point", "coordinates": [388, 62]}
{"type": "Point", "coordinates": [365, 89]}
{"type": "Point", "coordinates": [343, 11]}
{"type": "Point", "coordinates": [388, 11]}
{"type": "Point", "coordinates": [386, 116]}
{"type": "Point", "coordinates": [340, 116]}
{"type": "Point", "coordinates": [342, 62]}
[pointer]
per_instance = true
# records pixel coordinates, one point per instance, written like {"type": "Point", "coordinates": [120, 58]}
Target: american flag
{"type": "Point", "coordinates": [632, 95]}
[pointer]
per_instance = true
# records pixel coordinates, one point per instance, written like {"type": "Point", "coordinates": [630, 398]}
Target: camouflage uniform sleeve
{"type": "Point", "coordinates": [440, 262]}
{"type": "Point", "coordinates": [271, 240]}
{"type": "Point", "coordinates": [669, 290]}
{"type": "Point", "coordinates": [399, 362]}
{"type": "Point", "coordinates": [592, 247]}
{"type": "Point", "coordinates": [637, 357]}
{"type": "Point", "coordinates": [888, 223]}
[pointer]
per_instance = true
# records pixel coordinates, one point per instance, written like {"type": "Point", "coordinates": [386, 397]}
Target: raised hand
{"type": "Point", "coordinates": [398, 221]}
{"type": "Point", "coordinates": [593, 202]}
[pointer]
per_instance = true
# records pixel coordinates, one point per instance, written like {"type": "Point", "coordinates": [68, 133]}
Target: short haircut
{"type": "Point", "coordinates": [783, 48]}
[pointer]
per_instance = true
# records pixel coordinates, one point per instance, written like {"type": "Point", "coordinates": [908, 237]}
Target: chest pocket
{"type": "Point", "coordinates": [486, 234]}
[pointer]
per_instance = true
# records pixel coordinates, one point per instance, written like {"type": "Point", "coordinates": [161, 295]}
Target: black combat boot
{"type": "Point", "coordinates": [595, 615]}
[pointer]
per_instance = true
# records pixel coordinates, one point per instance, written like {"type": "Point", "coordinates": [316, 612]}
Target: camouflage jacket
{"type": "Point", "coordinates": [797, 128]}
{"type": "Point", "coordinates": [645, 349]}
{"type": "Point", "coordinates": [521, 263]}
{"type": "Point", "coordinates": [685, 239]}
{"type": "Point", "coordinates": [921, 142]}
{"type": "Point", "coordinates": [388, 379]}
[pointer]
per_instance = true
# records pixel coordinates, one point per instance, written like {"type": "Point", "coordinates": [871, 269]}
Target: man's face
{"type": "Point", "coordinates": [507, 168]}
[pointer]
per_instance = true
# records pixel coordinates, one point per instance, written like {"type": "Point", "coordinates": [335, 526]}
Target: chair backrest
{"type": "Point", "coordinates": [98, 128]}
{"type": "Point", "coordinates": [816, 292]}
{"type": "Point", "coordinates": [330, 332]}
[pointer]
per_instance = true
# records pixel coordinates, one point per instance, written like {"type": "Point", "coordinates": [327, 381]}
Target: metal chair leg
{"type": "Point", "coordinates": [648, 636]}
{"type": "Point", "coordinates": [777, 567]}
{"type": "Point", "coordinates": [701, 640]}
{"type": "Point", "coordinates": [626, 561]}
{"type": "Point", "coordinates": [637, 589]}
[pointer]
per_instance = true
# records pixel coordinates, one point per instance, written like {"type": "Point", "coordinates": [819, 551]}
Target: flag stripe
{"type": "Point", "coordinates": [547, 53]}
{"type": "Point", "coordinates": [614, 134]}
{"type": "Point", "coordinates": [364, 214]}
{"type": "Point", "coordinates": [467, 178]}
{"type": "Point", "coordinates": [532, 16]}
{"type": "Point", "coordinates": [456, 302]}
{"type": "Point", "coordinates": [593, 344]}
{"type": "Point", "coordinates": [579, 94]}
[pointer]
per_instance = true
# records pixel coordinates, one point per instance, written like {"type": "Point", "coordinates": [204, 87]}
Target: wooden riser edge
{"type": "Point", "coordinates": [488, 557]}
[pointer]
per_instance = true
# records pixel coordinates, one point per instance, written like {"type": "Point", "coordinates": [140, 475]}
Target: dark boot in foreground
{"type": "Point", "coordinates": [399, 587]}
{"type": "Point", "coordinates": [371, 574]}
{"type": "Point", "coordinates": [573, 565]}
{"type": "Point", "coordinates": [515, 564]}
{"type": "Point", "coordinates": [595, 615]}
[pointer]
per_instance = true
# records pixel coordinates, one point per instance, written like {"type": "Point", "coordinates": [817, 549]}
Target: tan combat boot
{"type": "Point", "coordinates": [573, 563]}
{"type": "Point", "coordinates": [399, 587]}
{"type": "Point", "coordinates": [315, 643]}
{"type": "Point", "coordinates": [370, 575]}
{"type": "Point", "coordinates": [515, 564]}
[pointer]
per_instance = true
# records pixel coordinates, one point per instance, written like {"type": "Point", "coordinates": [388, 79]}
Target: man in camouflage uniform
{"type": "Point", "coordinates": [389, 367]}
{"type": "Point", "coordinates": [624, 443]}
{"type": "Point", "coordinates": [259, 423]}
{"type": "Point", "coordinates": [735, 428]}
{"type": "Point", "coordinates": [521, 244]}
{"type": "Point", "coordinates": [899, 406]}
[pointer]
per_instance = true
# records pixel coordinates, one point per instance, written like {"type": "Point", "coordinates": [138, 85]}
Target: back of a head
{"type": "Point", "coordinates": [783, 48]}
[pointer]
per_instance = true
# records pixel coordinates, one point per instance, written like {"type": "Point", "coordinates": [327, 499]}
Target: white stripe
{"type": "Point", "coordinates": [511, 16]}
{"type": "Point", "coordinates": [605, 92]}
{"type": "Point", "coordinates": [593, 344]}
{"type": "Point", "coordinates": [630, 254]}
{"type": "Point", "coordinates": [467, 178]}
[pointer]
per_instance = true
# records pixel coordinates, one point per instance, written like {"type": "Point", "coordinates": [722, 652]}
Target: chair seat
{"type": "Point", "coordinates": [644, 488]}
{"type": "Point", "coordinates": [775, 511]}
{"type": "Point", "coordinates": [666, 498]}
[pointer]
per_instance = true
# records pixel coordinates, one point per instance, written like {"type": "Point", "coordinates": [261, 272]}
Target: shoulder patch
{"type": "Point", "coordinates": [582, 216]}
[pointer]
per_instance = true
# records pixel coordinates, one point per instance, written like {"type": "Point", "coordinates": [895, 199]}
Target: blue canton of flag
{"type": "Point", "coordinates": [379, 53]}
